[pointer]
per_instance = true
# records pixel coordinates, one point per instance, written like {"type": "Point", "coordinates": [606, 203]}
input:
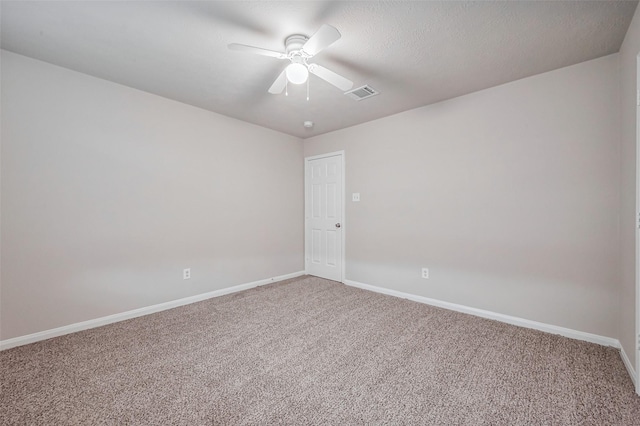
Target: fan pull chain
{"type": "Point", "coordinates": [286, 88]}
{"type": "Point", "coordinates": [308, 88]}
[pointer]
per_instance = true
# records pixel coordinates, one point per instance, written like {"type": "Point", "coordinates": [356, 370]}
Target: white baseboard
{"type": "Point", "coordinates": [553, 329]}
{"type": "Point", "coordinates": [85, 325]}
{"type": "Point", "coordinates": [627, 363]}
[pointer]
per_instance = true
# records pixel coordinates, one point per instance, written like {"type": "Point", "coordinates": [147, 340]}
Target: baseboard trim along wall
{"type": "Point", "coordinates": [85, 325]}
{"type": "Point", "coordinates": [98, 322]}
{"type": "Point", "coordinates": [627, 363]}
{"type": "Point", "coordinates": [521, 322]}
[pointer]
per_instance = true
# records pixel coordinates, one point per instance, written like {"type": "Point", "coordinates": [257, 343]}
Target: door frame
{"type": "Point", "coordinates": [636, 338]}
{"type": "Point", "coordinates": [343, 221]}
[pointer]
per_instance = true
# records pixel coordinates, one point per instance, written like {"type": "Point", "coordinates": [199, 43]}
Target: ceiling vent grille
{"type": "Point", "coordinates": [361, 93]}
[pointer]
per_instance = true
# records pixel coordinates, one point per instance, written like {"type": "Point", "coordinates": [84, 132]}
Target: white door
{"type": "Point", "coordinates": [323, 216]}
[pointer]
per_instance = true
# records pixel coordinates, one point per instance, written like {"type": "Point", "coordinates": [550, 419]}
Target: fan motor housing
{"type": "Point", "coordinates": [295, 42]}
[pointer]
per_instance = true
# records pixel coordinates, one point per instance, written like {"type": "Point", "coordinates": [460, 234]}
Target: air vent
{"type": "Point", "coordinates": [361, 93]}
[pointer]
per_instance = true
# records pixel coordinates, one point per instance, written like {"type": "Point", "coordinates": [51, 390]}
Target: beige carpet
{"type": "Point", "coordinates": [311, 351]}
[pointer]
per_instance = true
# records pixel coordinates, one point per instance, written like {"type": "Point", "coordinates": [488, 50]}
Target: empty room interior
{"type": "Point", "coordinates": [319, 212]}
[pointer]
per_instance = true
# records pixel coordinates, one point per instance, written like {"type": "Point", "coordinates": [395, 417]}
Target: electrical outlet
{"type": "Point", "coordinates": [186, 274]}
{"type": "Point", "coordinates": [355, 197]}
{"type": "Point", "coordinates": [425, 273]}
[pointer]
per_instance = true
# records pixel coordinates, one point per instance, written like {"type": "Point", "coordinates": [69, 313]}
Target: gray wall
{"type": "Point", "coordinates": [510, 196]}
{"type": "Point", "coordinates": [628, 53]}
{"type": "Point", "coordinates": [109, 192]}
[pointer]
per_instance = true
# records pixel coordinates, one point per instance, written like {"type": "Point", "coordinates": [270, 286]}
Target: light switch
{"type": "Point", "coordinates": [355, 196]}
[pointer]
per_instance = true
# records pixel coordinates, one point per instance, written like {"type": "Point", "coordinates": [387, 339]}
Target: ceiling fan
{"type": "Point", "coordinates": [298, 50]}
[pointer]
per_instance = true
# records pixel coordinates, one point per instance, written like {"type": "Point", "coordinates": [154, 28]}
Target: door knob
{"type": "Point", "coordinates": [338, 225]}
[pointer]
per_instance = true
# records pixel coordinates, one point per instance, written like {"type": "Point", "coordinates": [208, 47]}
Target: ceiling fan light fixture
{"type": "Point", "coordinates": [298, 49]}
{"type": "Point", "coordinates": [297, 73]}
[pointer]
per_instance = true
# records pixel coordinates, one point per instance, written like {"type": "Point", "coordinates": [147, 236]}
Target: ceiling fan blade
{"type": "Point", "coordinates": [278, 86]}
{"type": "Point", "coordinates": [324, 37]}
{"type": "Point", "coordinates": [257, 50]}
{"type": "Point", "coordinates": [329, 76]}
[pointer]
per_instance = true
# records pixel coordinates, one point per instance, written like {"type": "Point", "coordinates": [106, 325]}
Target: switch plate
{"type": "Point", "coordinates": [355, 197]}
{"type": "Point", "coordinates": [186, 274]}
{"type": "Point", "coordinates": [425, 273]}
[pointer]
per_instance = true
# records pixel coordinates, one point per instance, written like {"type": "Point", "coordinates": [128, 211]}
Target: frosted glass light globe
{"type": "Point", "coordinates": [297, 73]}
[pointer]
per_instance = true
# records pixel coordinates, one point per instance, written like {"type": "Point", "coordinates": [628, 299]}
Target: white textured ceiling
{"type": "Point", "coordinates": [414, 53]}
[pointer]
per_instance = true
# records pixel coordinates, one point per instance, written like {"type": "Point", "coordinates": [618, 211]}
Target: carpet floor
{"type": "Point", "coordinates": [312, 351]}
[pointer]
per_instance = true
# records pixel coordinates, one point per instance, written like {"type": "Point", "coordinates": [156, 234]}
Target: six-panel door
{"type": "Point", "coordinates": [323, 213]}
